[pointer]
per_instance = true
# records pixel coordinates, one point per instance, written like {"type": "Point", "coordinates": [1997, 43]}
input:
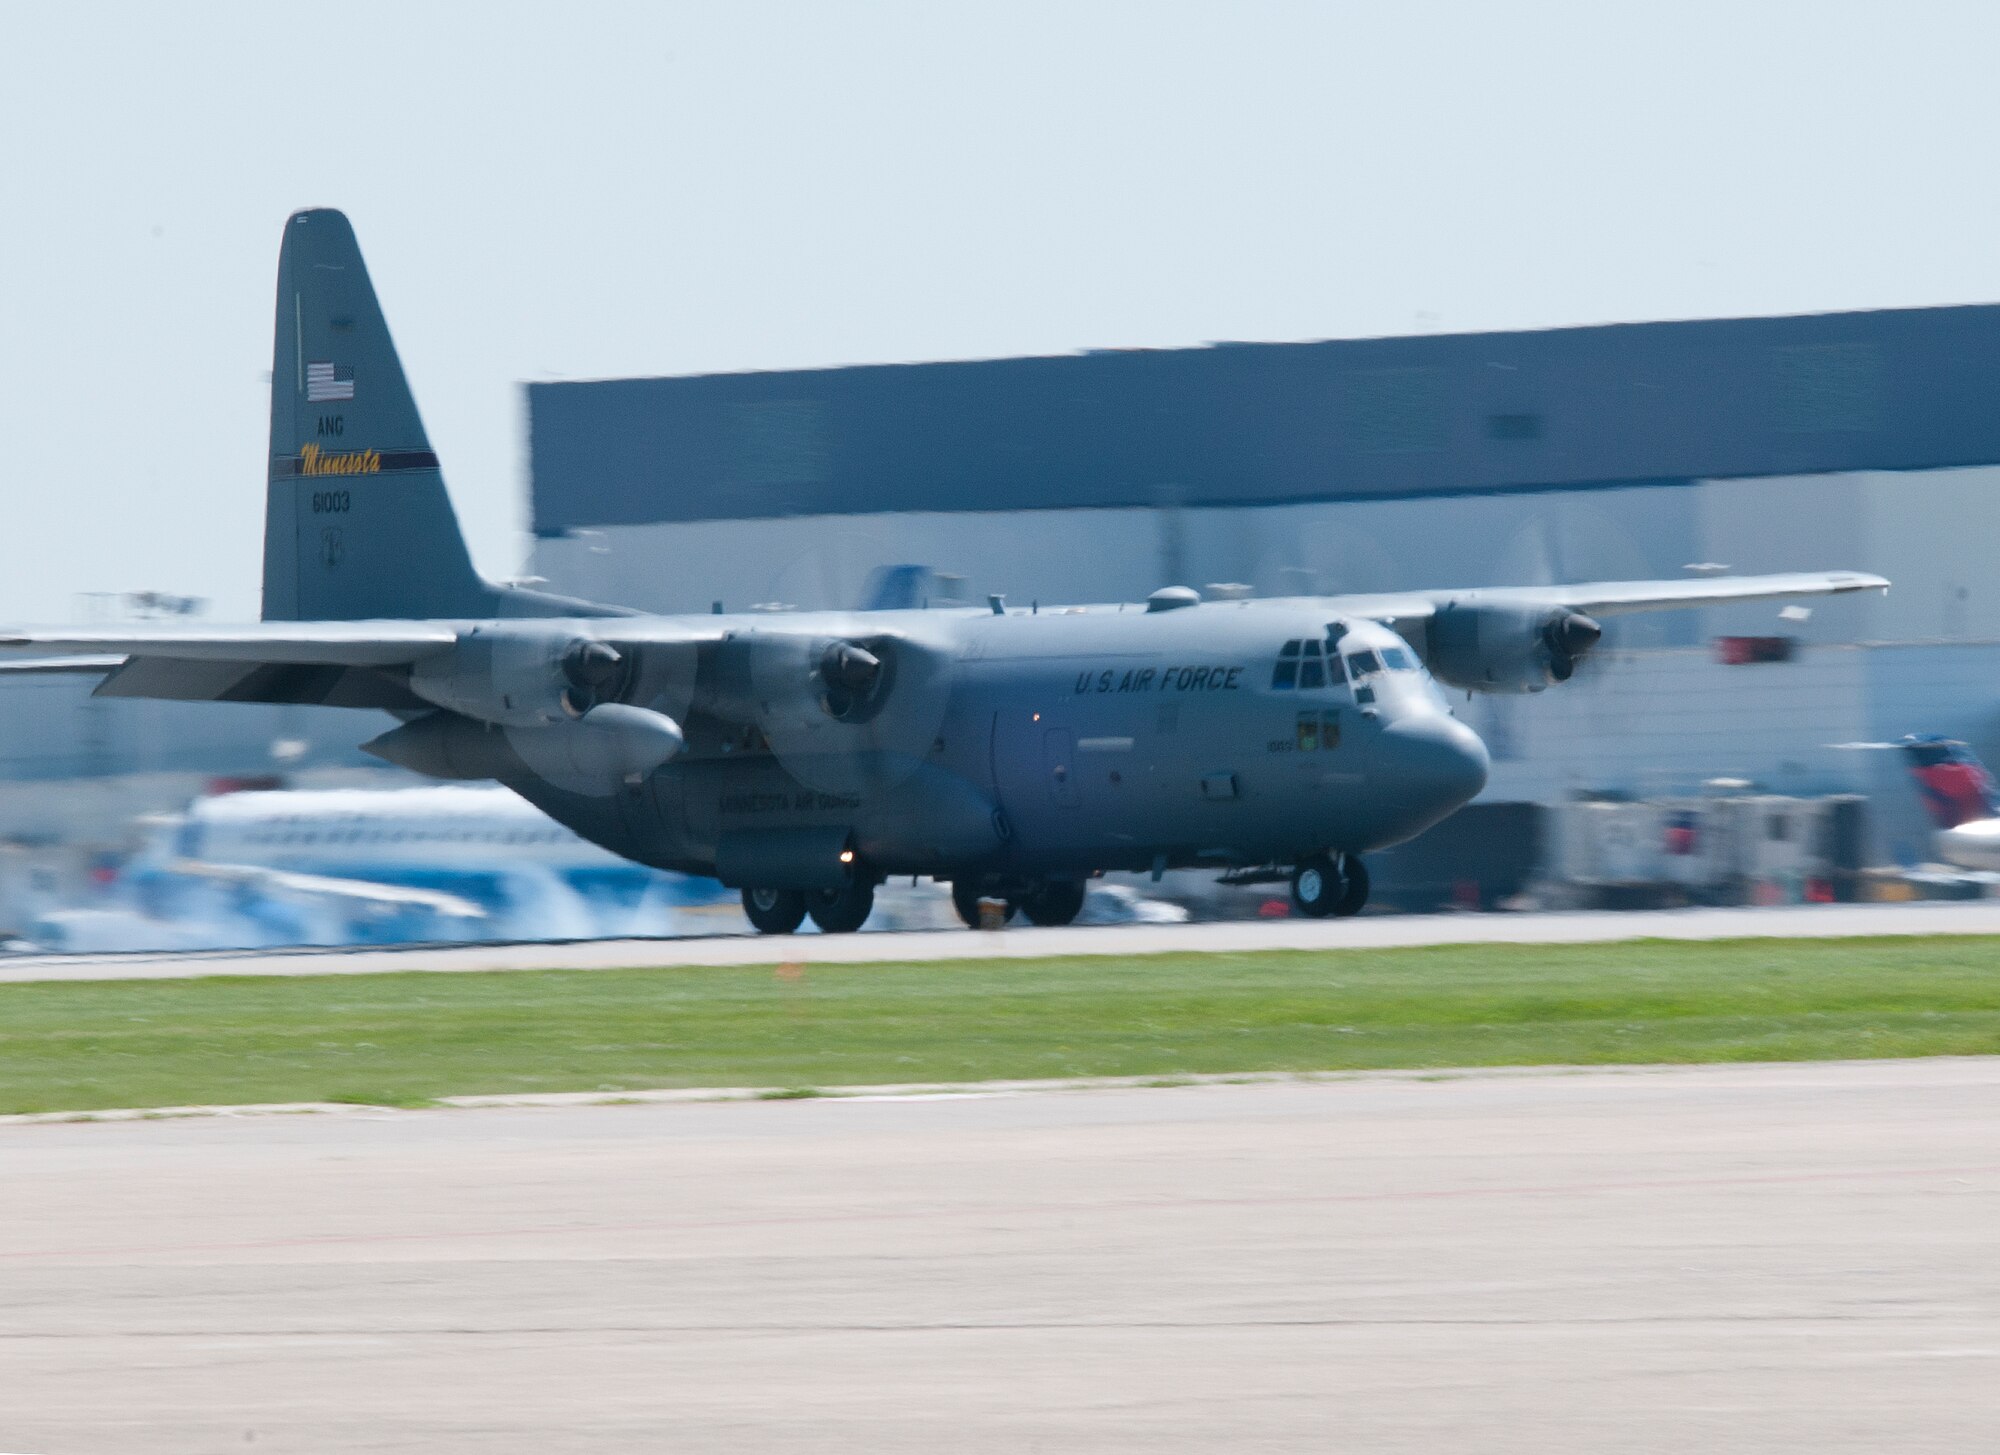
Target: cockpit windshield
{"type": "Point", "coordinates": [1309, 665]}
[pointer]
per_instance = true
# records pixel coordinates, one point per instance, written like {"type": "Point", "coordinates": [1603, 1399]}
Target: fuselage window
{"type": "Point", "coordinates": [1286, 674]}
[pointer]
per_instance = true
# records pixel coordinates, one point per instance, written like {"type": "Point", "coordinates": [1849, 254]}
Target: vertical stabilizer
{"type": "Point", "coordinates": [357, 522]}
{"type": "Point", "coordinates": [1953, 783]}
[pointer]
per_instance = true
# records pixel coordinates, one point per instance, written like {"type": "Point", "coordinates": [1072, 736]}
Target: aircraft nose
{"type": "Point", "coordinates": [1436, 764]}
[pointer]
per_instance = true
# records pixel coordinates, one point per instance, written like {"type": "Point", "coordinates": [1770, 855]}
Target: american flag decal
{"type": "Point", "coordinates": [326, 382]}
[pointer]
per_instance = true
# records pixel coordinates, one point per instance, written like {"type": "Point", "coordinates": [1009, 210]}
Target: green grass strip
{"type": "Point", "coordinates": [407, 1038]}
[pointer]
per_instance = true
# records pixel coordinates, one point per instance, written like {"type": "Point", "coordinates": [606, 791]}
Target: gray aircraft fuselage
{"type": "Point", "coordinates": [1062, 742]}
{"type": "Point", "coordinates": [803, 757]}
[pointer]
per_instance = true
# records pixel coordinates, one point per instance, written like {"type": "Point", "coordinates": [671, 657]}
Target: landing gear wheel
{"type": "Point", "coordinates": [841, 911]}
{"type": "Point", "coordinates": [1057, 902]}
{"type": "Point", "coordinates": [774, 911]}
{"type": "Point", "coordinates": [966, 897]}
{"type": "Point", "coordinates": [1317, 886]}
{"type": "Point", "coordinates": [1356, 893]}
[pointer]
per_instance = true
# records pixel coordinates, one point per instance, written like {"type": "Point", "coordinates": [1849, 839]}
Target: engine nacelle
{"type": "Point", "coordinates": [1506, 648]}
{"type": "Point", "coordinates": [522, 676]}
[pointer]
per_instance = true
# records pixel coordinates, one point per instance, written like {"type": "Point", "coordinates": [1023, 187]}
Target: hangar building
{"type": "Point", "coordinates": [1867, 441]}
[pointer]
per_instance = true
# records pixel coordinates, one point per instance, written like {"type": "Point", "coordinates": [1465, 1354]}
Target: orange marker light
{"type": "Point", "coordinates": [847, 856]}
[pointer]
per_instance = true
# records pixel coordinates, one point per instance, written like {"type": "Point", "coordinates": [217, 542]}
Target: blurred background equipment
{"type": "Point", "coordinates": [254, 865]}
{"type": "Point", "coordinates": [1625, 451]}
{"type": "Point", "coordinates": [1728, 847]}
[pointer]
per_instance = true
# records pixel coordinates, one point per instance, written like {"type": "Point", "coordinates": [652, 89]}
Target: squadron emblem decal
{"type": "Point", "coordinates": [331, 546]}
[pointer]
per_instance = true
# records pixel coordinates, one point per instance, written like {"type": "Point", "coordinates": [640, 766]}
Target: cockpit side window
{"type": "Point", "coordinates": [1398, 659]}
{"type": "Point", "coordinates": [1311, 671]}
{"type": "Point", "coordinates": [1363, 664]}
{"type": "Point", "coordinates": [1286, 674]}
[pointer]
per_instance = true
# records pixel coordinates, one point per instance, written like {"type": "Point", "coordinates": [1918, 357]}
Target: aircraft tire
{"type": "Point", "coordinates": [966, 899]}
{"type": "Point", "coordinates": [774, 911]}
{"type": "Point", "coordinates": [844, 910]}
{"type": "Point", "coordinates": [1317, 886]}
{"type": "Point", "coordinates": [1057, 902]}
{"type": "Point", "coordinates": [1355, 894]}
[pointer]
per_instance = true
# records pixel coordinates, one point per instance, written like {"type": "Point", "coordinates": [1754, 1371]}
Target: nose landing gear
{"type": "Point", "coordinates": [1330, 884]}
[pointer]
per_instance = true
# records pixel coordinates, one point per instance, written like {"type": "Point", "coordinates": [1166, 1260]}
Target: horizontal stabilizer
{"type": "Point", "coordinates": [83, 666]}
{"type": "Point", "coordinates": [341, 643]}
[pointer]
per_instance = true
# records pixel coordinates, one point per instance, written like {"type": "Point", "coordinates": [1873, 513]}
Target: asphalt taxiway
{"type": "Point", "coordinates": [1739, 1258]}
{"type": "Point", "coordinates": [1027, 943]}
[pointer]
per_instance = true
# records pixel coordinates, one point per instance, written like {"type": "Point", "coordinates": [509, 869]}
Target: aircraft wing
{"type": "Point", "coordinates": [333, 663]}
{"type": "Point", "coordinates": [303, 643]}
{"type": "Point", "coordinates": [327, 886]}
{"type": "Point", "coordinates": [1614, 598]}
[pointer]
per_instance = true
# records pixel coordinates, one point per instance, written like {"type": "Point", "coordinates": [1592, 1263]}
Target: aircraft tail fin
{"type": "Point", "coordinates": [1953, 783]}
{"type": "Point", "coordinates": [357, 522]}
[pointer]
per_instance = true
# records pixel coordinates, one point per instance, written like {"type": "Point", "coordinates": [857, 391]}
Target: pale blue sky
{"type": "Point", "coordinates": [587, 190]}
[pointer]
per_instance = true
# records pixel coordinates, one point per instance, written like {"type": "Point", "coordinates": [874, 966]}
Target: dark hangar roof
{"type": "Point", "coordinates": [1263, 423]}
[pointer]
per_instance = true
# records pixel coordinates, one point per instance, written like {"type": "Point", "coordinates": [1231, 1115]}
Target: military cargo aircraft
{"type": "Point", "coordinates": [802, 758]}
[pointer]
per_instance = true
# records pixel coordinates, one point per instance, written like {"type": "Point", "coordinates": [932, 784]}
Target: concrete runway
{"type": "Point", "coordinates": [1741, 1258]}
{"type": "Point", "coordinates": [1023, 942]}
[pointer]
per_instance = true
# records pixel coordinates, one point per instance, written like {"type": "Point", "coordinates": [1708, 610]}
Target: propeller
{"type": "Point", "coordinates": [590, 739]}
{"type": "Point", "coordinates": [849, 676]}
{"type": "Point", "coordinates": [850, 712]}
{"type": "Point", "coordinates": [1569, 637]}
{"type": "Point", "coordinates": [596, 672]}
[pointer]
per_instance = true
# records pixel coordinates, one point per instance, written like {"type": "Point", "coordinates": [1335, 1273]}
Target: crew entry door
{"type": "Point", "coordinates": [1035, 777]}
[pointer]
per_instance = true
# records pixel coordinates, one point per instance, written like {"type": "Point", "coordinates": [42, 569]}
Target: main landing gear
{"type": "Point", "coordinates": [836, 911]}
{"type": "Point", "coordinates": [774, 911]}
{"type": "Point", "coordinates": [841, 911]}
{"type": "Point", "coordinates": [1330, 884]}
{"type": "Point", "coordinates": [1051, 902]}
